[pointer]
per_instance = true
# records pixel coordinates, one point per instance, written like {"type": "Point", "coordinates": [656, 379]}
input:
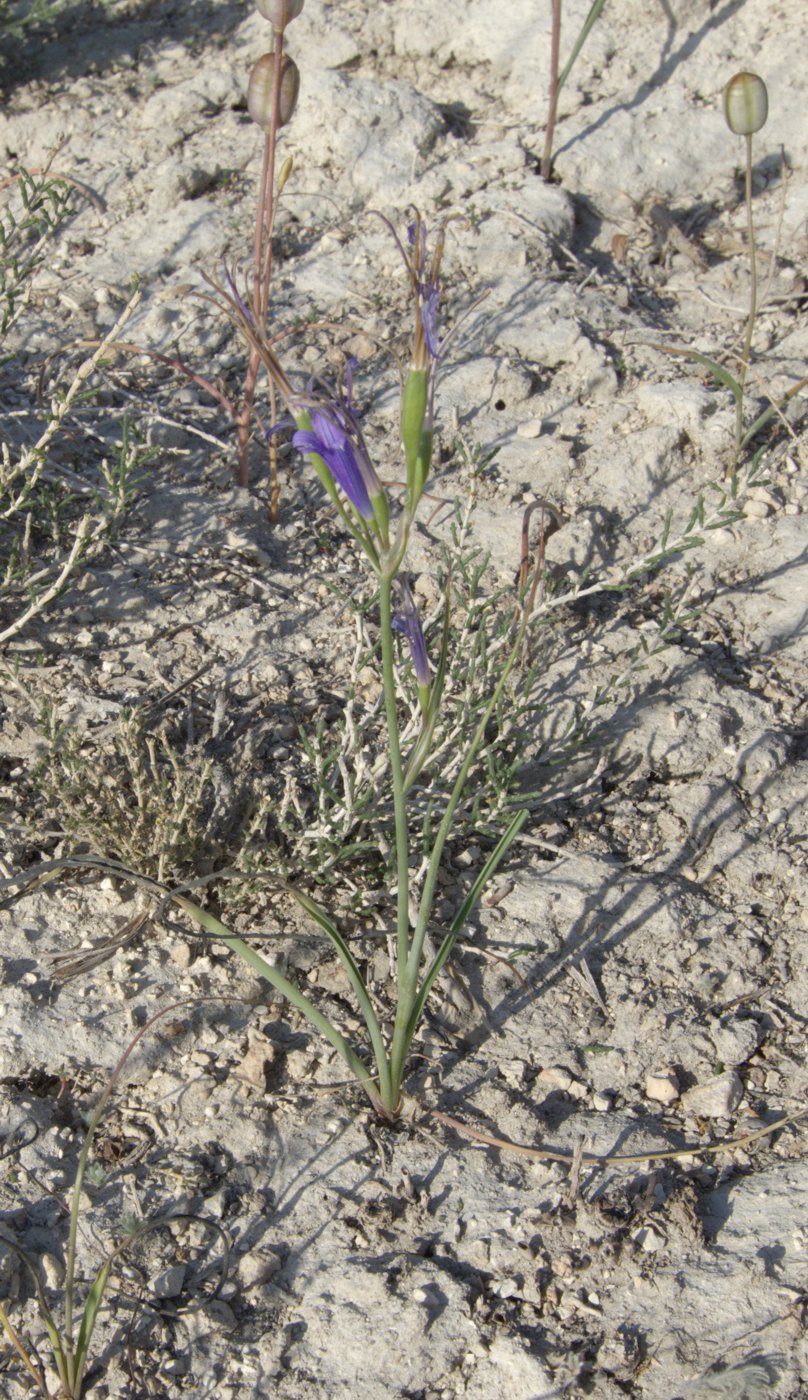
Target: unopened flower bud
{"type": "Point", "coordinates": [746, 103]}
{"type": "Point", "coordinates": [279, 12]}
{"type": "Point", "coordinates": [261, 90]}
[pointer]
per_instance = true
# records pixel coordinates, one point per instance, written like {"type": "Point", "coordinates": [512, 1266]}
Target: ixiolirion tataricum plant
{"type": "Point", "coordinates": [328, 434]}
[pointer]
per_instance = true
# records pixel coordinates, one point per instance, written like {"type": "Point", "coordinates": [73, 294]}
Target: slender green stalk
{"type": "Point", "coordinates": [397, 778]}
{"type": "Point", "coordinates": [408, 981]}
{"type": "Point", "coordinates": [594, 14]}
{"type": "Point", "coordinates": [36, 1374]}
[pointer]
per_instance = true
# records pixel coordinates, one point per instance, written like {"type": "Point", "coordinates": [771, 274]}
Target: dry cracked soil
{"type": "Point", "coordinates": [634, 982]}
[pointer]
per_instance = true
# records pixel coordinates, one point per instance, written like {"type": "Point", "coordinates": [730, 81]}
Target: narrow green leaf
{"type": "Point", "coordinates": [718, 372]}
{"type": "Point", "coordinates": [460, 918]}
{"type": "Point", "coordinates": [94, 1300]}
{"type": "Point", "coordinates": [293, 993]}
{"type": "Point", "coordinates": [590, 20]}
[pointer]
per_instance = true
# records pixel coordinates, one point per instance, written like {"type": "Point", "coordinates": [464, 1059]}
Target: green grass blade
{"type": "Point", "coordinates": [356, 979]}
{"type": "Point", "coordinates": [460, 919]}
{"type": "Point", "coordinates": [289, 990]}
{"type": "Point", "coordinates": [591, 19]}
{"type": "Point", "coordinates": [94, 1300]}
{"type": "Point", "coordinates": [772, 410]}
{"type": "Point", "coordinates": [721, 375]}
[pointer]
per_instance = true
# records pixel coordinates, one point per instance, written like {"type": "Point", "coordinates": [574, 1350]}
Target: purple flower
{"type": "Point", "coordinates": [427, 287]}
{"type": "Point", "coordinates": [335, 436]}
{"type": "Point", "coordinates": [430, 295]}
{"type": "Point", "coordinates": [408, 622]}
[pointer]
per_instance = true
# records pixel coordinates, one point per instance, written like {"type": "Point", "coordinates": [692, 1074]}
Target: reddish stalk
{"type": "Point", "coordinates": [262, 277]}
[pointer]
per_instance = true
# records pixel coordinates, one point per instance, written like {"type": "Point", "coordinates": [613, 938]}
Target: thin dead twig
{"type": "Point", "coordinates": [545, 1154]}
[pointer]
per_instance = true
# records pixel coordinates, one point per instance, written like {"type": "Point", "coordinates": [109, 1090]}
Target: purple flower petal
{"type": "Point", "coordinates": [407, 621]}
{"type": "Point", "coordinates": [346, 460]}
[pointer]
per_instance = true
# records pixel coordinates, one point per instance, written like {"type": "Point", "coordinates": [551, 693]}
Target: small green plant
{"type": "Point", "coordinates": [419, 737]}
{"type": "Point", "coordinates": [71, 1339]}
{"type": "Point", "coordinates": [136, 796]}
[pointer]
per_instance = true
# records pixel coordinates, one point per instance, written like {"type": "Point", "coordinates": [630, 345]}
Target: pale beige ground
{"type": "Point", "coordinates": [668, 862]}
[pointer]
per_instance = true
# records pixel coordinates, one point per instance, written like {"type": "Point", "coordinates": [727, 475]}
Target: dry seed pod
{"type": "Point", "coordinates": [279, 12]}
{"type": "Point", "coordinates": [261, 90]}
{"type": "Point", "coordinates": [746, 103]}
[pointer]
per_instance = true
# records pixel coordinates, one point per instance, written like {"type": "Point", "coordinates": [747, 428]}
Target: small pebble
{"type": "Point", "coordinates": [734, 1040]}
{"type": "Point", "coordinates": [169, 1283]}
{"type": "Point", "coordinates": [649, 1239]}
{"type": "Point", "coordinates": [715, 1099]}
{"type": "Point", "coordinates": [759, 493]}
{"type": "Point", "coordinates": [53, 1270]}
{"type": "Point", "coordinates": [176, 1366]}
{"type": "Point", "coordinates": [221, 1314]}
{"type": "Point", "coordinates": [255, 1269]}
{"type": "Point", "coordinates": [755, 510]}
{"type": "Point", "coordinates": [555, 1077]}
{"type": "Point", "coordinates": [531, 428]}
{"type": "Point", "coordinates": [662, 1086]}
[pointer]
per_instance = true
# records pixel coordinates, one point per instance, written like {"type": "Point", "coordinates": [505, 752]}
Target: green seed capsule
{"type": "Point", "coordinates": [261, 90]}
{"type": "Point", "coordinates": [279, 12]}
{"type": "Point", "coordinates": [746, 103]}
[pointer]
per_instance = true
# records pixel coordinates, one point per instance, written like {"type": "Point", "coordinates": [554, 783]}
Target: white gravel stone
{"type": "Point", "coordinates": [53, 1270]}
{"type": "Point", "coordinates": [555, 1077]}
{"type": "Point", "coordinates": [169, 1283]}
{"type": "Point", "coordinates": [756, 510]}
{"type": "Point", "coordinates": [735, 1041]}
{"type": "Point", "coordinates": [531, 428]}
{"type": "Point", "coordinates": [662, 1086]}
{"type": "Point", "coordinates": [716, 1098]}
{"type": "Point", "coordinates": [255, 1269]}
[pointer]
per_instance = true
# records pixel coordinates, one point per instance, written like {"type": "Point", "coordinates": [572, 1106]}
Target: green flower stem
{"type": "Point", "coordinates": [379, 1096]}
{"type": "Point", "coordinates": [408, 980]}
{"type": "Point", "coordinates": [397, 774]}
{"type": "Point", "coordinates": [747, 349]}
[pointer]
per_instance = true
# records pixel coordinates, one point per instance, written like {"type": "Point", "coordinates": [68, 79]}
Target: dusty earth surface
{"type": "Point", "coordinates": [635, 981]}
